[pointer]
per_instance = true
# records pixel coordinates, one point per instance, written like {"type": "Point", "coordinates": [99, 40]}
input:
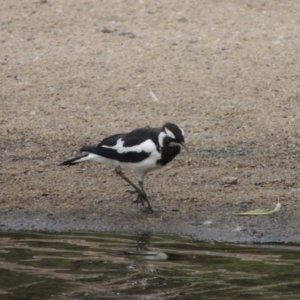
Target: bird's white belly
{"type": "Point", "coordinates": [144, 166]}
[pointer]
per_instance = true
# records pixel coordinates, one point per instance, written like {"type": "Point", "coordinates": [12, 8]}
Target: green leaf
{"type": "Point", "coordinates": [260, 212]}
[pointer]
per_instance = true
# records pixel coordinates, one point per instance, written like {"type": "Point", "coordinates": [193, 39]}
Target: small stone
{"type": "Point", "coordinates": [238, 126]}
{"type": "Point", "coordinates": [229, 180]}
{"type": "Point", "coordinates": [208, 222]}
{"type": "Point", "coordinates": [183, 20]}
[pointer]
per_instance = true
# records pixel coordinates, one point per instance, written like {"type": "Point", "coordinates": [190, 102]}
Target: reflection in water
{"type": "Point", "coordinates": [116, 266]}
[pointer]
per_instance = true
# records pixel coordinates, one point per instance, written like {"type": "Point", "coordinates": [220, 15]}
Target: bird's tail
{"type": "Point", "coordinates": [91, 149]}
{"type": "Point", "coordinates": [95, 155]}
{"type": "Point", "coordinates": [76, 160]}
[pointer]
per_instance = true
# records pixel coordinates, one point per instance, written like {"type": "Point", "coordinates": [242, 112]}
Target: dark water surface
{"type": "Point", "coordinates": [118, 266]}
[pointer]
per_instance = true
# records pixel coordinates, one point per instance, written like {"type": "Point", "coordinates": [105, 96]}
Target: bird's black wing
{"type": "Point", "coordinates": [141, 135]}
{"type": "Point", "coordinates": [128, 151]}
{"type": "Point", "coordinates": [111, 140]}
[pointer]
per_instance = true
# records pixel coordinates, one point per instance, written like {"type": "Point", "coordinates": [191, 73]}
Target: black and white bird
{"type": "Point", "coordinates": [141, 150]}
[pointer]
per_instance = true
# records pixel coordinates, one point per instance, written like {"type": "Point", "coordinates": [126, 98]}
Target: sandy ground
{"type": "Point", "coordinates": [227, 72]}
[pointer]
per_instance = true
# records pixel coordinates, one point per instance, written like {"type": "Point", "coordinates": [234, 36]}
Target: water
{"type": "Point", "coordinates": [90, 266]}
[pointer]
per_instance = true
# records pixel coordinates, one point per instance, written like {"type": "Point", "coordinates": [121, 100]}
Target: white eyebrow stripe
{"type": "Point", "coordinates": [182, 131]}
{"type": "Point", "coordinates": [169, 133]}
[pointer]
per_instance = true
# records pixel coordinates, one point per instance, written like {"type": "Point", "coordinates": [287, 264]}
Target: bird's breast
{"type": "Point", "coordinates": [168, 153]}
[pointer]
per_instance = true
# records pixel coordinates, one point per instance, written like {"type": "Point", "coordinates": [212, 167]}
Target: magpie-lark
{"type": "Point", "coordinates": [141, 150]}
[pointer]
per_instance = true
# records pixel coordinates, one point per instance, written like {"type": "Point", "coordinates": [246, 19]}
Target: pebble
{"type": "Point", "coordinates": [229, 180]}
{"type": "Point", "coordinates": [208, 222]}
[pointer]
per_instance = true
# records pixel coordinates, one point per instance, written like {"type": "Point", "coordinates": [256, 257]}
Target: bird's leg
{"type": "Point", "coordinates": [141, 183]}
{"type": "Point", "coordinates": [137, 190]}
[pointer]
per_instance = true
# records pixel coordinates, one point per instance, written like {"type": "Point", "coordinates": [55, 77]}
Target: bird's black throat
{"type": "Point", "coordinates": [168, 153]}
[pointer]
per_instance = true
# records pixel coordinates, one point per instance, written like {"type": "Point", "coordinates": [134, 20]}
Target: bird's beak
{"type": "Point", "coordinates": [185, 147]}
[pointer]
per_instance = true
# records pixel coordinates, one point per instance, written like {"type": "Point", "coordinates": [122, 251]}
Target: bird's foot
{"type": "Point", "coordinates": [149, 210]}
{"type": "Point", "coordinates": [140, 196]}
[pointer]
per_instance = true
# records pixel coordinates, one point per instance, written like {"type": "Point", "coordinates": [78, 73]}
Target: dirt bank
{"type": "Point", "coordinates": [227, 72]}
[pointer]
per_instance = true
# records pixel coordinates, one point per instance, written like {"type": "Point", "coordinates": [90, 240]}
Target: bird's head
{"type": "Point", "coordinates": [171, 134]}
